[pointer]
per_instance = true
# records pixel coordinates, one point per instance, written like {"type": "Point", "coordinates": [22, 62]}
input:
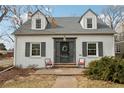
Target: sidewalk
{"type": "Point", "coordinates": [65, 82]}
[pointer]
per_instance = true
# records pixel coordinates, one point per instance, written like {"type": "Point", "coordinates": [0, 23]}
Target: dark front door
{"type": "Point", "coordinates": [64, 51]}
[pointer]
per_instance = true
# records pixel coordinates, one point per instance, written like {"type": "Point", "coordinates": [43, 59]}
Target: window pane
{"type": "Point", "coordinates": [91, 49]}
{"type": "Point", "coordinates": [35, 46]}
{"type": "Point", "coordinates": [35, 49]}
{"type": "Point", "coordinates": [38, 23]}
{"type": "Point", "coordinates": [91, 52]}
{"type": "Point", "coordinates": [89, 23]}
{"type": "Point", "coordinates": [35, 52]}
{"type": "Point", "coordinates": [117, 48]}
{"type": "Point", "coordinates": [91, 46]}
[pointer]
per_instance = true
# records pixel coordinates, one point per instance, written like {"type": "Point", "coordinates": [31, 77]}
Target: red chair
{"type": "Point", "coordinates": [48, 63]}
{"type": "Point", "coordinates": [81, 62]}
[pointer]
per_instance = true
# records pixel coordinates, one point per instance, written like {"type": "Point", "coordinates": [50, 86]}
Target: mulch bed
{"type": "Point", "coordinates": [12, 73]}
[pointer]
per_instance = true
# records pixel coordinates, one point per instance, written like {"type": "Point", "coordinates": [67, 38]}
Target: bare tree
{"type": "Point", "coordinates": [14, 15]}
{"type": "Point", "coordinates": [3, 12]}
{"type": "Point", "coordinates": [18, 11]}
{"type": "Point", "coordinates": [113, 15]}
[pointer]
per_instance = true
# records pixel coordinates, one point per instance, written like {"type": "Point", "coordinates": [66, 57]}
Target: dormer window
{"type": "Point", "coordinates": [38, 23]}
{"type": "Point", "coordinates": [89, 22]}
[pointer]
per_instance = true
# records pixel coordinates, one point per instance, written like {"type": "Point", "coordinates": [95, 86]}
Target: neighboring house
{"type": "Point", "coordinates": [119, 40]}
{"type": "Point", "coordinates": [6, 53]}
{"type": "Point", "coordinates": [3, 50]}
{"type": "Point", "coordinates": [10, 53]}
{"type": "Point", "coordinates": [62, 39]}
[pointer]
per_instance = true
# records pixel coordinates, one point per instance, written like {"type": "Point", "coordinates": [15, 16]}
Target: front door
{"type": "Point", "coordinates": [64, 51]}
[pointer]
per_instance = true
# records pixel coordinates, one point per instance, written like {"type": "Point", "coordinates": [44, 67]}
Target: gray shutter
{"type": "Point", "coordinates": [71, 51]}
{"type": "Point", "coordinates": [100, 48]}
{"type": "Point", "coordinates": [43, 49]}
{"type": "Point", "coordinates": [84, 48]}
{"type": "Point", "coordinates": [57, 52]}
{"type": "Point", "coordinates": [27, 49]}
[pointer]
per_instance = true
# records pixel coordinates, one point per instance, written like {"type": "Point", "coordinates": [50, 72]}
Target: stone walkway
{"type": "Point", "coordinates": [65, 82]}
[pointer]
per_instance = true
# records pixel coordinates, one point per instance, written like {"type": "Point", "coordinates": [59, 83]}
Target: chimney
{"type": "Point", "coordinates": [53, 23]}
{"type": "Point", "coordinates": [29, 15]}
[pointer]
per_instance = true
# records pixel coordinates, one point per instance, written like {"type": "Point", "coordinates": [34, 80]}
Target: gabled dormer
{"type": "Point", "coordinates": [38, 21]}
{"type": "Point", "coordinates": [89, 20]}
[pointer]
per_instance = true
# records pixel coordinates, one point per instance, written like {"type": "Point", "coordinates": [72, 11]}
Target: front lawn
{"type": "Point", "coordinates": [33, 81]}
{"type": "Point", "coordinates": [84, 82]}
{"type": "Point", "coordinates": [21, 78]}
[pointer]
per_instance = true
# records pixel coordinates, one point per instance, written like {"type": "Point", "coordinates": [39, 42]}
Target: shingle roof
{"type": "Point", "coordinates": [66, 25]}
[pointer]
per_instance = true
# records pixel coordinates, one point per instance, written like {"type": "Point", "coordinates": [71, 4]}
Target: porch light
{"type": "Point", "coordinates": [64, 39]}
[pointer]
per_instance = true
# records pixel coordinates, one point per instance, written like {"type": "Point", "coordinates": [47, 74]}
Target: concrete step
{"type": "Point", "coordinates": [65, 66]}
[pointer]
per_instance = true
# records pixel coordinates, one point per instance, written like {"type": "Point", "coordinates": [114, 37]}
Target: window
{"type": "Point", "coordinates": [35, 49]}
{"type": "Point", "coordinates": [89, 22]}
{"type": "Point", "coordinates": [38, 23]}
{"type": "Point", "coordinates": [117, 48]}
{"type": "Point", "coordinates": [92, 49]}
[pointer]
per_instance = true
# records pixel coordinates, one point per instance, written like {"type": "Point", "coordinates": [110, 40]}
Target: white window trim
{"type": "Point", "coordinates": [31, 49]}
{"type": "Point", "coordinates": [96, 49]}
{"type": "Point", "coordinates": [92, 23]}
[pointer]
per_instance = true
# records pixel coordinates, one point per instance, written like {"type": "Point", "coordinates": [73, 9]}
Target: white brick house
{"type": "Point", "coordinates": [63, 40]}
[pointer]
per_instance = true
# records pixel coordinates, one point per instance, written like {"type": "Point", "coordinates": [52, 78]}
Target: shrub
{"type": "Point", "coordinates": [108, 69]}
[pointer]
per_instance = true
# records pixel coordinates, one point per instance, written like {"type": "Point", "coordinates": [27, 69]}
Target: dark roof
{"type": "Point", "coordinates": [86, 12]}
{"type": "Point", "coordinates": [90, 11]}
{"type": "Point", "coordinates": [66, 25]}
{"type": "Point", "coordinates": [38, 11]}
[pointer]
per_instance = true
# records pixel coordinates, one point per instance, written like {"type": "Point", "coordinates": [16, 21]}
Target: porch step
{"type": "Point", "coordinates": [65, 65]}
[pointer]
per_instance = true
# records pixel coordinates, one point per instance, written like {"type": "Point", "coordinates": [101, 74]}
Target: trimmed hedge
{"type": "Point", "coordinates": [108, 69]}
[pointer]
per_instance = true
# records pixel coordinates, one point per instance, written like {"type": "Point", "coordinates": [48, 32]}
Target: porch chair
{"type": "Point", "coordinates": [48, 63]}
{"type": "Point", "coordinates": [81, 62]}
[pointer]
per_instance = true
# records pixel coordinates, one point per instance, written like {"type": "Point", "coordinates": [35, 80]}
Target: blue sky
{"type": "Point", "coordinates": [75, 10]}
